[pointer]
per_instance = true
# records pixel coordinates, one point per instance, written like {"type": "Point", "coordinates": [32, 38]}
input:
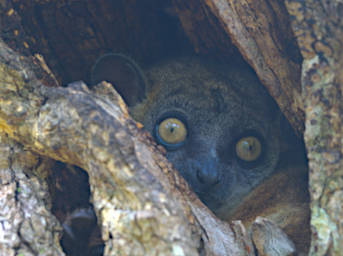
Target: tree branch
{"type": "Point", "coordinates": [142, 203]}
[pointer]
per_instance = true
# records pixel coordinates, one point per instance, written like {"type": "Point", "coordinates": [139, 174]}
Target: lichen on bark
{"type": "Point", "coordinates": [27, 227]}
{"type": "Point", "coordinates": [318, 28]}
{"type": "Point", "coordinates": [144, 207]}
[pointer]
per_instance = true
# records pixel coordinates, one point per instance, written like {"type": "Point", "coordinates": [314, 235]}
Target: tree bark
{"type": "Point", "coordinates": [73, 34]}
{"type": "Point", "coordinates": [27, 224]}
{"type": "Point", "coordinates": [140, 200]}
{"type": "Point", "coordinates": [262, 33]}
{"type": "Point", "coordinates": [143, 205]}
{"type": "Point", "coordinates": [318, 28]}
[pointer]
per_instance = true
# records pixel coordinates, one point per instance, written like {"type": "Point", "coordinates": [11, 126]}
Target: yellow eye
{"type": "Point", "coordinates": [171, 131]}
{"type": "Point", "coordinates": [248, 148]}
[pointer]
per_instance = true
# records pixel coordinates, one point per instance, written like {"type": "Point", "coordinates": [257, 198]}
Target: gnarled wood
{"type": "Point", "coordinates": [143, 205]}
{"type": "Point", "coordinates": [262, 33]}
{"type": "Point", "coordinates": [140, 200]}
{"type": "Point", "coordinates": [73, 34]}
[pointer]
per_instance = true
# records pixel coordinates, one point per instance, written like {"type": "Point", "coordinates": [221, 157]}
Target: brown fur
{"type": "Point", "coordinates": [284, 199]}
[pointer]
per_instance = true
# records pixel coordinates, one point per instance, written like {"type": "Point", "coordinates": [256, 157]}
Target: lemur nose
{"type": "Point", "coordinates": [206, 171]}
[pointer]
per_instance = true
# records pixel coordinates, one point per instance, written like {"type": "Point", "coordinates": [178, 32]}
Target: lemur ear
{"type": "Point", "coordinates": [123, 73]}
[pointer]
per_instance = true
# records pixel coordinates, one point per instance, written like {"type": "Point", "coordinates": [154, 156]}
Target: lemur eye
{"type": "Point", "coordinates": [248, 148]}
{"type": "Point", "coordinates": [171, 132]}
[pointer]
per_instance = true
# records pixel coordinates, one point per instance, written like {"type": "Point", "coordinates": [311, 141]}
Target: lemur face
{"type": "Point", "coordinates": [216, 122]}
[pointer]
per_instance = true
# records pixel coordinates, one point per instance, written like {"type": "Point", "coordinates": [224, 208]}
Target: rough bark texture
{"type": "Point", "coordinates": [143, 206]}
{"type": "Point", "coordinates": [318, 28]}
{"type": "Point", "coordinates": [27, 227]}
{"type": "Point", "coordinates": [133, 187]}
{"type": "Point", "coordinates": [71, 35]}
{"type": "Point", "coordinates": [262, 33]}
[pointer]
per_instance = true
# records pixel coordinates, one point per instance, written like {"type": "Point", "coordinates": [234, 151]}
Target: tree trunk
{"type": "Point", "coordinates": [27, 224]}
{"type": "Point", "coordinates": [144, 207]}
{"type": "Point", "coordinates": [318, 27]}
{"type": "Point", "coordinates": [261, 32]}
